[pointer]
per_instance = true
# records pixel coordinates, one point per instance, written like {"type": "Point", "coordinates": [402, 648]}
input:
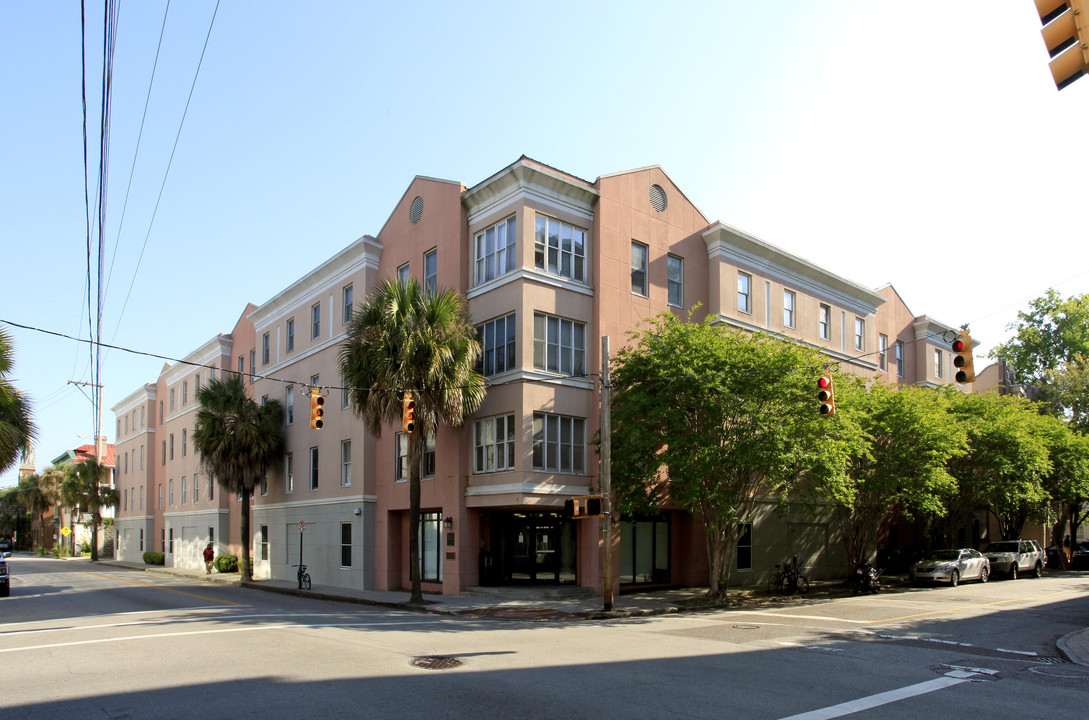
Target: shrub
{"type": "Point", "coordinates": [226, 563]}
{"type": "Point", "coordinates": [154, 558]}
{"type": "Point", "coordinates": [85, 547]}
{"type": "Point", "coordinates": [41, 551]}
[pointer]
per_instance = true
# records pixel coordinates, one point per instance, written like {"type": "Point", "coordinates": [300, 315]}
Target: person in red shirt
{"type": "Point", "coordinates": [209, 555]}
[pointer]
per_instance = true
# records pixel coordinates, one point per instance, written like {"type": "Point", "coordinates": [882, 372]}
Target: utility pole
{"type": "Point", "coordinates": [606, 476]}
{"type": "Point", "coordinates": [97, 403]}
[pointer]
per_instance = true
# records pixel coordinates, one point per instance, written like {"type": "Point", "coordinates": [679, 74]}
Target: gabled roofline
{"type": "Point", "coordinates": [671, 180]}
{"type": "Point", "coordinates": [408, 187]}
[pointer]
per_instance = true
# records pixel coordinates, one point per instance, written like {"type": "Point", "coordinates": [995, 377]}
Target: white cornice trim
{"type": "Point", "coordinates": [526, 488]}
{"type": "Point", "coordinates": [527, 180]}
{"type": "Point", "coordinates": [135, 399]}
{"type": "Point", "coordinates": [535, 275]}
{"type": "Point", "coordinates": [315, 503]}
{"type": "Point", "coordinates": [206, 354]}
{"type": "Point", "coordinates": [728, 243]}
{"type": "Point", "coordinates": [366, 252]}
{"type": "Point", "coordinates": [831, 353]}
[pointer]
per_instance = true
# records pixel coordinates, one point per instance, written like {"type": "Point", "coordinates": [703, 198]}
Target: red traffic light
{"type": "Point", "coordinates": [826, 395]}
{"type": "Point", "coordinates": [962, 358]}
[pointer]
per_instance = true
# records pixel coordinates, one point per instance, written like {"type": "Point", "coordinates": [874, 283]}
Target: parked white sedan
{"type": "Point", "coordinates": [952, 566]}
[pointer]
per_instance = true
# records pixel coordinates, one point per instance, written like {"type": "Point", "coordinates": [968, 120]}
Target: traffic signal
{"type": "Point", "coordinates": [316, 411]}
{"type": "Point", "coordinates": [408, 413]}
{"type": "Point", "coordinates": [583, 506]}
{"type": "Point", "coordinates": [1066, 36]}
{"type": "Point", "coordinates": [962, 358]}
{"type": "Point", "coordinates": [826, 394]}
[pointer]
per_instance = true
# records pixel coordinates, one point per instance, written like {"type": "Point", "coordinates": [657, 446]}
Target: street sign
{"type": "Point", "coordinates": [65, 531]}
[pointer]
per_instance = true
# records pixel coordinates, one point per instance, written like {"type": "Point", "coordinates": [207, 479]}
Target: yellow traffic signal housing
{"type": "Point", "coordinates": [584, 506]}
{"type": "Point", "coordinates": [826, 394]}
{"type": "Point", "coordinates": [1066, 36]}
{"type": "Point", "coordinates": [316, 411]}
{"type": "Point", "coordinates": [408, 413]}
{"type": "Point", "coordinates": [962, 358]}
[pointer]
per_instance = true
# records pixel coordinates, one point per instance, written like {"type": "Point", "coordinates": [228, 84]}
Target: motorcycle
{"type": "Point", "coordinates": [867, 579]}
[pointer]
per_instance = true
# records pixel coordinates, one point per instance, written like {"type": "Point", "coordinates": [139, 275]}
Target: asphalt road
{"type": "Point", "coordinates": [78, 641]}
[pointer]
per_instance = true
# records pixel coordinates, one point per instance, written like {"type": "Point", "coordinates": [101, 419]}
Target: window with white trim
{"type": "Point", "coordinates": [290, 334]}
{"type": "Point", "coordinates": [493, 444]}
{"type": "Point", "coordinates": [860, 334]}
{"type": "Point", "coordinates": [497, 341]}
{"type": "Point", "coordinates": [899, 356]}
{"type": "Point", "coordinates": [345, 545]}
{"type": "Point", "coordinates": [824, 322]}
{"type": "Point", "coordinates": [345, 463]}
{"type": "Point", "coordinates": [315, 321]}
{"type": "Point", "coordinates": [883, 352]}
{"type": "Point", "coordinates": [431, 270]}
{"type": "Point", "coordinates": [675, 280]}
{"type": "Point", "coordinates": [559, 443]}
{"type": "Point", "coordinates": [289, 404]}
{"type": "Point", "coordinates": [559, 248]}
{"type": "Point", "coordinates": [640, 258]}
{"type": "Point", "coordinates": [265, 340]}
{"type": "Point", "coordinates": [494, 251]}
{"type": "Point", "coordinates": [559, 345]}
{"type": "Point", "coordinates": [346, 296]}
{"type": "Point", "coordinates": [789, 301]}
{"type": "Point", "coordinates": [313, 468]}
{"type": "Point", "coordinates": [289, 473]}
{"type": "Point", "coordinates": [744, 293]}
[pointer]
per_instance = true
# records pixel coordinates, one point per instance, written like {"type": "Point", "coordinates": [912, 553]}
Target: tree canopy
{"type": "Point", "coordinates": [17, 429]}
{"type": "Point", "coordinates": [706, 419]}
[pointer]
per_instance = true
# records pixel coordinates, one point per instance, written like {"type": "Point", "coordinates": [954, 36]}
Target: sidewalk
{"type": "Point", "coordinates": [1074, 645]}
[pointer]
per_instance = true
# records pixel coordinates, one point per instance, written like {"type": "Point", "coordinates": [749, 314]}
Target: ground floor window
{"type": "Point", "coordinates": [264, 543]}
{"type": "Point", "coordinates": [346, 545]}
{"type": "Point", "coordinates": [430, 547]}
{"type": "Point", "coordinates": [644, 551]}
{"type": "Point", "coordinates": [744, 546]}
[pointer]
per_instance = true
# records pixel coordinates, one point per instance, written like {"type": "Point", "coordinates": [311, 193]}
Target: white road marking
{"type": "Point", "coordinates": [213, 632]}
{"type": "Point", "coordinates": [770, 613]}
{"type": "Point", "coordinates": [853, 706]}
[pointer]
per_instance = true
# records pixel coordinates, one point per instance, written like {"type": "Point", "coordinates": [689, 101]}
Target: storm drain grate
{"type": "Point", "coordinates": [1051, 660]}
{"type": "Point", "coordinates": [746, 627]}
{"type": "Point", "coordinates": [436, 662]}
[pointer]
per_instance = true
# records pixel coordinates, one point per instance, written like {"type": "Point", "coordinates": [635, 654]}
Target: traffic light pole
{"type": "Point", "coordinates": [606, 477]}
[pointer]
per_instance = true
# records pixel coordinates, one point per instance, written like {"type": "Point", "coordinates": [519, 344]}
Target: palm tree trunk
{"type": "Point", "coordinates": [244, 527]}
{"type": "Point", "coordinates": [415, 451]}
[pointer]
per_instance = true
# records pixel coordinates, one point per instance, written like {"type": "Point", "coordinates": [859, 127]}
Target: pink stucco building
{"type": "Point", "coordinates": [549, 263]}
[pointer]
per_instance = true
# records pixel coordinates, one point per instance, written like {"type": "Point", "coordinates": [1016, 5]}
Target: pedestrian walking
{"type": "Point", "coordinates": [209, 555]}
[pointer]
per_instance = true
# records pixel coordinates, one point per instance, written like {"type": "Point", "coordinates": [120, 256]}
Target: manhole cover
{"type": "Point", "coordinates": [436, 662]}
{"type": "Point", "coordinates": [746, 627]}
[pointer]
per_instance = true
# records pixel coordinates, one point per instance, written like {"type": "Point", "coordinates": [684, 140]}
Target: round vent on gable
{"type": "Point", "coordinates": [657, 198]}
{"type": "Point", "coordinates": [416, 210]}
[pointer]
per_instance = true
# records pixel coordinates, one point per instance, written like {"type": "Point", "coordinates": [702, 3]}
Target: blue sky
{"type": "Point", "coordinates": [917, 143]}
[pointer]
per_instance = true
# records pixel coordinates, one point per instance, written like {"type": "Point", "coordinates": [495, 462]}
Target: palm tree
{"type": "Point", "coordinates": [406, 340]}
{"type": "Point", "coordinates": [83, 488]}
{"type": "Point", "coordinates": [238, 440]}
{"type": "Point", "coordinates": [17, 430]}
{"type": "Point", "coordinates": [39, 493]}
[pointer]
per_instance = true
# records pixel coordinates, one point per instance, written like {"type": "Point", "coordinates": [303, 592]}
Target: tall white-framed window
{"type": "Point", "coordinates": [290, 334]}
{"type": "Point", "coordinates": [289, 404]}
{"type": "Point", "coordinates": [744, 546]}
{"type": "Point", "coordinates": [346, 297]}
{"type": "Point", "coordinates": [402, 457]}
{"type": "Point", "coordinates": [265, 340]}
{"type": "Point", "coordinates": [196, 488]}
{"type": "Point", "coordinates": [289, 473]}
{"type": "Point", "coordinates": [640, 258]}
{"type": "Point", "coordinates": [253, 366]}
{"type": "Point", "coordinates": [404, 274]}
{"type": "Point", "coordinates": [493, 444]}
{"type": "Point", "coordinates": [315, 321]}
{"type": "Point", "coordinates": [185, 490]}
{"type": "Point", "coordinates": [431, 270]}
{"type": "Point", "coordinates": [431, 547]}
{"type": "Point", "coordinates": [559, 443]}
{"type": "Point", "coordinates": [498, 342]}
{"type": "Point", "coordinates": [559, 345]}
{"type": "Point", "coordinates": [428, 462]}
{"type": "Point", "coordinates": [744, 293]}
{"type": "Point", "coordinates": [860, 334]}
{"type": "Point", "coordinates": [185, 441]}
{"type": "Point", "coordinates": [185, 393]}
{"type": "Point", "coordinates": [313, 468]}
{"type": "Point", "coordinates": [899, 356]}
{"type": "Point", "coordinates": [824, 322]}
{"type": "Point", "coordinates": [494, 251]}
{"type": "Point", "coordinates": [345, 463]}
{"type": "Point", "coordinates": [937, 363]}
{"type": "Point", "coordinates": [789, 301]}
{"type": "Point", "coordinates": [559, 248]}
{"type": "Point", "coordinates": [883, 352]}
{"type": "Point", "coordinates": [675, 280]}
{"type": "Point", "coordinates": [170, 491]}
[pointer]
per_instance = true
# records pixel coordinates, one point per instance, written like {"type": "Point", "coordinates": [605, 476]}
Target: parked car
{"type": "Point", "coordinates": [5, 579]}
{"type": "Point", "coordinates": [952, 566]}
{"type": "Point", "coordinates": [5, 545]}
{"type": "Point", "coordinates": [1014, 557]}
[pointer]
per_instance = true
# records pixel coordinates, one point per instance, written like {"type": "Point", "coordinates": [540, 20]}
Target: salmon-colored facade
{"type": "Point", "coordinates": [549, 263]}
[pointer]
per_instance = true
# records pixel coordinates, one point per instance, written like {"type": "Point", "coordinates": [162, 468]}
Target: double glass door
{"type": "Point", "coordinates": [534, 548]}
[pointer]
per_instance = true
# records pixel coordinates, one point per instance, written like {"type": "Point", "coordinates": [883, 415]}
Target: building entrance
{"type": "Point", "coordinates": [530, 548]}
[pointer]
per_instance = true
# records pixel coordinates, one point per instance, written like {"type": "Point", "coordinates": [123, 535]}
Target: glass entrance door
{"type": "Point", "coordinates": [534, 548]}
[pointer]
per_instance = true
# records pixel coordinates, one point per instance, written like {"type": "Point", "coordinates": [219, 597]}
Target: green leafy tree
{"type": "Point", "coordinates": [403, 339]}
{"type": "Point", "coordinates": [1068, 386]}
{"type": "Point", "coordinates": [84, 487]}
{"type": "Point", "coordinates": [238, 441]}
{"type": "Point", "coordinates": [902, 467]}
{"type": "Point", "coordinates": [17, 429]}
{"type": "Point", "coordinates": [1067, 485]}
{"type": "Point", "coordinates": [707, 419]}
{"type": "Point", "coordinates": [1005, 464]}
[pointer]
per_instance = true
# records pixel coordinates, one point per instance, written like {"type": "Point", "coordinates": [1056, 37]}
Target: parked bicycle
{"type": "Point", "coordinates": [304, 577]}
{"type": "Point", "coordinates": [788, 579]}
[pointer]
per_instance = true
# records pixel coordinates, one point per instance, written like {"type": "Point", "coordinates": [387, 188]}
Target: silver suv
{"type": "Point", "coordinates": [1016, 557]}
